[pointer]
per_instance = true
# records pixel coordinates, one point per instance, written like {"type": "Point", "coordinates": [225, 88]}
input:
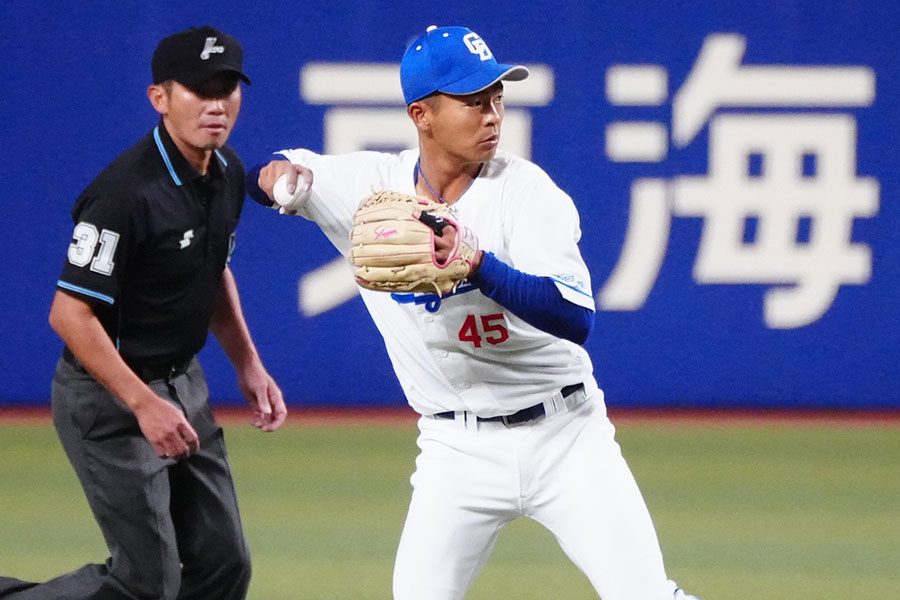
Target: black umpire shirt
{"type": "Point", "coordinates": [152, 238]}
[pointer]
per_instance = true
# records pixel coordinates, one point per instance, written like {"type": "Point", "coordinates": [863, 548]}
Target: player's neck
{"type": "Point", "coordinates": [445, 180]}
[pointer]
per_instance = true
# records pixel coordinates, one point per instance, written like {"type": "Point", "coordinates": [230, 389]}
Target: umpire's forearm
{"type": "Point", "coordinates": [74, 321]}
{"type": "Point", "coordinates": [230, 327]}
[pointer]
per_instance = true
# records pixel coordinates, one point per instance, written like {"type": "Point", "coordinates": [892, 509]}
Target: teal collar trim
{"type": "Point", "coordinates": [165, 156]}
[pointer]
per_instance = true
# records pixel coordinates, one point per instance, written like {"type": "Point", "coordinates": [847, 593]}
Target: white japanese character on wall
{"type": "Point", "coordinates": [781, 195]}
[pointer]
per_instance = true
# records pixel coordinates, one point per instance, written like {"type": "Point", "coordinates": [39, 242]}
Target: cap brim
{"type": "Point", "coordinates": [193, 79]}
{"type": "Point", "coordinates": [483, 79]}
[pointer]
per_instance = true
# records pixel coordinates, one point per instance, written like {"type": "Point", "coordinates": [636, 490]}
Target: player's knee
{"type": "Point", "coordinates": [416, 586]}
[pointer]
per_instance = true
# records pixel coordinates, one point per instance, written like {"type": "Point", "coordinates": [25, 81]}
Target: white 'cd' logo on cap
{"type": "Point", "coordinates": [211, 48]}
{"type": "Point", "coordinates": [477, 46]}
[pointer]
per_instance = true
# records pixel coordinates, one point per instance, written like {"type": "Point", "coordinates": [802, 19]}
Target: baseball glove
{"type": "Point", "coordinates": [393, 247]}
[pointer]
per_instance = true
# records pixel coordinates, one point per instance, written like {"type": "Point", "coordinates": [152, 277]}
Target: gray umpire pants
{"type": "Point", "coordinates": [172, 527]}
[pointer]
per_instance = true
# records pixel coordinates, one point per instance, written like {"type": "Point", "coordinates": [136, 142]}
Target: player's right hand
{"type": "Point", "coordinates": [167, 430]}
{"type": "Point", "coordinates": [269, 174]}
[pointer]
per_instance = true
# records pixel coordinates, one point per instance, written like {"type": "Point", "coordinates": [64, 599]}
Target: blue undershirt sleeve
{"type": "Point", "coordinates": [253, 189]}
{"type": "Point", "coordinates": [534, 299]}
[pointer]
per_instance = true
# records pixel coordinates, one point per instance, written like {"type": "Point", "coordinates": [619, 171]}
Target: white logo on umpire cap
{"type": "Point", "coordinates": [211, 48]}
{"type": "Point", "coordinates": [477, 46]}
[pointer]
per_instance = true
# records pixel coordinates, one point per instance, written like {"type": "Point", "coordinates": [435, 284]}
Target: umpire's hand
{"type": "Point", "coordinates": [167, 429]}
{"type": "Point", "coordinates": [264, 397]}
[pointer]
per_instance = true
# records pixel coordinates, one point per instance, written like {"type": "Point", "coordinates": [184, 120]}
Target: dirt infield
{"type": "Point", "coordinates": [405, 417]}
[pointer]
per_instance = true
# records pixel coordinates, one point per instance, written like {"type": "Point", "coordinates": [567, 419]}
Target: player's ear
{"type": "Point", "coordinates": [159, 98]}
{"type": "Point", "coordinates": [420, 113]}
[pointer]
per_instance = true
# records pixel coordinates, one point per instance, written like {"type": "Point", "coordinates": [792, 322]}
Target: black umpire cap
{"type": "Point", "coordinates": [190, 57]}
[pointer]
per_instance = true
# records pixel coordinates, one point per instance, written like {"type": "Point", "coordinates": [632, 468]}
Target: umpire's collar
{"type": "Point", "coordinates": [179, 168]}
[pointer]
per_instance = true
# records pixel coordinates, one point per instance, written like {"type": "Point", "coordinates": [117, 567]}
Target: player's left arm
{"type": "Point", "coordinates": [534, 299]}
{"type": "Point", "coordinates": [230, 328]}
{"type": "Point", "coordinates": [540, 276]}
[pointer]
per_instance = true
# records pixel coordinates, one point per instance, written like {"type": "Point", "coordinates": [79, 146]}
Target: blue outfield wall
{"type": "Point", "coordinates": [734, 164]}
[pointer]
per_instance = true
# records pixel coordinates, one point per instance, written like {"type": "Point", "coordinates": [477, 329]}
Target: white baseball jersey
{"type": "Point", "coordinates": [465, 351]}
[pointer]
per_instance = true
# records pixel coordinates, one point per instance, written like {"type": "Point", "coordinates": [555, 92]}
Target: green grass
{"type": "Point", "coordinates": [743, 512]}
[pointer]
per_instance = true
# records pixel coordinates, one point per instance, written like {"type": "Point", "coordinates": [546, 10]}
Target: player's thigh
{"type": "Point", "coordinates": [592, 504]}
{"type": "Point", "coordinates": [460, 501]}
{"type": "Point", "coordinates": [442, 549]}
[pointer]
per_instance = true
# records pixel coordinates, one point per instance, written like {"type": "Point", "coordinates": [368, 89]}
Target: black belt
{"type": "Point", "coordinates": [153, 372]}
{"type": "Point", "coordinates": [522, 416]}
{"type": "Point", "coordinates": [146, 372]}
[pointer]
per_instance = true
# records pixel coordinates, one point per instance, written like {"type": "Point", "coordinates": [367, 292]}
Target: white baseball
{"type": "Point", "coordinates": [284, 198]}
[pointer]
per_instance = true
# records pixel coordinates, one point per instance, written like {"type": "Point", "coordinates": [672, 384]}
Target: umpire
{"type": "Point", "coordinates": [146, 277]}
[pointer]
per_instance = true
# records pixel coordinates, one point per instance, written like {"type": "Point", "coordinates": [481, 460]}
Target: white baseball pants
{"type": "Point", "coordinates": [565, 471]}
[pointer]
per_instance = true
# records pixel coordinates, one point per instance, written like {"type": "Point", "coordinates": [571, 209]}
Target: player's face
{"type": "Point", "coordinates": [468, 127]}
{"type": "Point", "coordinates": [201, 118]}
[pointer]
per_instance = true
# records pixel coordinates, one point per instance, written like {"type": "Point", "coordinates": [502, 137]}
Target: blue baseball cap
{"type": "Point", "coordinates": [452, 60]}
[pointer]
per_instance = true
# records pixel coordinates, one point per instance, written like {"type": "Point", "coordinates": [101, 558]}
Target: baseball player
{"type": "Point", "coordinates": [145, 279]}
{"type": "Point", "coordinates": [512, 421]}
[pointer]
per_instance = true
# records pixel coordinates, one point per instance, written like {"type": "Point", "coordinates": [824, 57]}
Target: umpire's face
{"type": "Point", "coordinates": [199, 118]}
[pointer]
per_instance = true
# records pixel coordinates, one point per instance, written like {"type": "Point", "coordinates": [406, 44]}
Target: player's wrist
{"type": "Point", "coordinates": [476, 264]}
